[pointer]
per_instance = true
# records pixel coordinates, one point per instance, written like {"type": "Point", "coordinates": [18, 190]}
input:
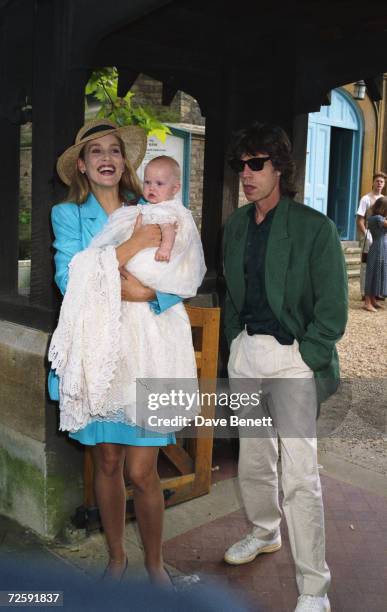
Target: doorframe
{"type": "Point", "coordinates": [356, 161]}
{"type": "Point", "coordinates": [356, 165]}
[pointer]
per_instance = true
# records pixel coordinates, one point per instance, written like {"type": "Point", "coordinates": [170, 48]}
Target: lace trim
{"type": "Point", "coordinates": [85, 346]}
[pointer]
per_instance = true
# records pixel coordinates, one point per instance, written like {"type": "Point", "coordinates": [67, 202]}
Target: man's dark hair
{"type": "Point", "coordinates": [270, 139]}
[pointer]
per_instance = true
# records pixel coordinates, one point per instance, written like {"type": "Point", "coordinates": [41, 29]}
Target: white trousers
{"type": "Point", "coordinates": [261, 357]}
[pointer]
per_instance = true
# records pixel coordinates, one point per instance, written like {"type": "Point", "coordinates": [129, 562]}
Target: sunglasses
{"type": "Point", "coordinates": [255, 163]}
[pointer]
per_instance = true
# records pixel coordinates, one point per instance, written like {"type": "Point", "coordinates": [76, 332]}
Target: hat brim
{"type": "Point", "coordinates": [133, 136]}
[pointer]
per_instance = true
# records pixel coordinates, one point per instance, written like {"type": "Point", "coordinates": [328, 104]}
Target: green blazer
{"type": "Point", "coordinates": [305, 279]}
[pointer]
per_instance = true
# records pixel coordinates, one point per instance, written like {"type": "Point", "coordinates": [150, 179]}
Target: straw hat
{"type": "Point", "coordinates": [133, 136]}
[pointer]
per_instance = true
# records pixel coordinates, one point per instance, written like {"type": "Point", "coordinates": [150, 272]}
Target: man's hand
{"type": "Point", "coordinates": [132, 290]}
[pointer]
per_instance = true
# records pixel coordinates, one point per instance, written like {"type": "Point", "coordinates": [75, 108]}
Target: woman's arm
{"type": "Point", "coordinates": [134, 291]}
{"type": "Point", "coordinates": [68, 240]}
{"type": "Point", "coordinates": [143, 237]}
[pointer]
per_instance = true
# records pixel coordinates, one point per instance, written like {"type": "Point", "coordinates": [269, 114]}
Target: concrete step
{"type": "Point", "coordinates": [352, 250]}
{"type": "Point", "coordinates": [352, 261]}
{"type": "Point", "coordinates": [353, 273]}
{"type": "Point", "coordinates": [349, 244]}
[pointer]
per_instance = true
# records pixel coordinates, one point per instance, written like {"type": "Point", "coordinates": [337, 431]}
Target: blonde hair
{"type": "Point", "coordinates": [168, 161]}
{"type": "Point", "coordinates": [129, 183]}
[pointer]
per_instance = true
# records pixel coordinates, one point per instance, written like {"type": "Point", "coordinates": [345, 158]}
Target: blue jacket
{"type": "Point", "coordinates": [74, 227]}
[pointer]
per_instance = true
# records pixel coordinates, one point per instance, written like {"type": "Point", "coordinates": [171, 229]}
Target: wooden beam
{"type": "Point", "coordinates": [180, 458]}
{"type": "Point", "coordinates": [126, 80]}
{"type": "Point", "coordinates": [9, 210]}
{"type": "Point", "coordinates": [375, 86]}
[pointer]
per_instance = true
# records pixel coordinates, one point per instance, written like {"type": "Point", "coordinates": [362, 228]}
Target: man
{"type": "Point", "coordinates": [286, 307]}
{"type": "Point", "coordinates": [378, 182]}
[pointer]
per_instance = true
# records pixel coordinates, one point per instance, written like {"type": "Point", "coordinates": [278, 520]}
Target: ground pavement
{"type": "Point", "coordinates": [198, 532]}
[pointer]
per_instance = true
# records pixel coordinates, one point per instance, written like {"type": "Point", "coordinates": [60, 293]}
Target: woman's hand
{"type": "Point", "coordinates": [132, 290]}
{"type": "Point", "coordinates": [146, 236]}
{"type": "Point", "coordinates": [143, 237]}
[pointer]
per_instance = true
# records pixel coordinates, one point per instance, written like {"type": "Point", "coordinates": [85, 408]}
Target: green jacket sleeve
{"type": "Point", "coordinates": [330, 292]}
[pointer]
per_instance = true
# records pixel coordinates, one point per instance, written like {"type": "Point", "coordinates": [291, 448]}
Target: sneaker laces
{"type": "Point", "coordinates": [245, 543]}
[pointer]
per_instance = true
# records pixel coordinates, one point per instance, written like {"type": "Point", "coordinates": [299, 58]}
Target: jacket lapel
{"type": "Point", "coordinates": [93, 218]}
{"type": "Point", "coordinates": [277, 258]}
{"type": "Point", "coordinates": [235, 261]}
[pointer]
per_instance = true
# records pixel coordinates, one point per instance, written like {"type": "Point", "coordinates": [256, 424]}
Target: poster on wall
{"type": "Point", "coordinates": [176, 145]}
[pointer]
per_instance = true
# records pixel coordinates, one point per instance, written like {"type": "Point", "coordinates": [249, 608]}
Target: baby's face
{"type": "Point", "coordinates": [160, 183]}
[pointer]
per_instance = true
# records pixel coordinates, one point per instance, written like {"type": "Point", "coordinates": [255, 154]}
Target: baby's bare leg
{"type": "Point", "coordinates": [168, 233]}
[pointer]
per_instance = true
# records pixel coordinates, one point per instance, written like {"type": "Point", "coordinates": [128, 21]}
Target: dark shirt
{"type": "Point", "coordinates": [256, 313]}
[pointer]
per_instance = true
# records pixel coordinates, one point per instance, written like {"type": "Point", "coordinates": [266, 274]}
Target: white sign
{"type": "Point", "coordinates": [173, 146]}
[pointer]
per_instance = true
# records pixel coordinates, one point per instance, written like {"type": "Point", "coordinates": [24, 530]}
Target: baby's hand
{"type": "Point", "coordinates": [162, 254]}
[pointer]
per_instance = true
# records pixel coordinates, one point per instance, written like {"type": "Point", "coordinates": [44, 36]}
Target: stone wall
{"type": "Point", "coordinates": [183, 108]}
{"type": "Point", "coordinates": [40, 471]}
{"type": "Point", "coordinates": [196, 172]}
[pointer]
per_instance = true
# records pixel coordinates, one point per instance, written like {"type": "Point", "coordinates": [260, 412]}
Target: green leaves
{"type": "Point", "coordinates": [102, 86]}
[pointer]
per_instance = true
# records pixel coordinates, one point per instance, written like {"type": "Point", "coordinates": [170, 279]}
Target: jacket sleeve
{"type": "Point", "coordinates": [330, 296]}
{"type": "Point", "coordinates": [163, 301]}
{"type": "Point", "coordinates": [68, 240]}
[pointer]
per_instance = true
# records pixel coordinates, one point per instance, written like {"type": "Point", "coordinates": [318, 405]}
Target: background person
{"type": "Point", "coordinates": [376, 274]}
{"type": "Point", "coordinates": [368, 200]}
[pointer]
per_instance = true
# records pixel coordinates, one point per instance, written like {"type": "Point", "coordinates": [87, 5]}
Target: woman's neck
{"type": "Point", "coordinates": [109, 199]}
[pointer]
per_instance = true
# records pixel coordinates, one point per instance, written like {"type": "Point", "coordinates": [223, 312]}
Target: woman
{"type": "Point", "coordinates": [376, 274]}
{"type": "Point", "coordinates": [100, 171]}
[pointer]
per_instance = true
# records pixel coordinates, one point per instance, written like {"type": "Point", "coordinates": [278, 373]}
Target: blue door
{"type": "Point", "coordinates": [339, 195]}
{"type": "Point", "coordinates": [317, 173]}
{"type": "Point", "coordinates": [332, 172]}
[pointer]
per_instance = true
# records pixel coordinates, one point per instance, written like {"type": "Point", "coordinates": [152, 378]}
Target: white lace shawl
{"type": "Point", "coordinates": [84, 348]}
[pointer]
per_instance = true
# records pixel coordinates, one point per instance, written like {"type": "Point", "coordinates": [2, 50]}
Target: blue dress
{"type": "Point", "coordinates": [376, 271]}
{"type": "Point", "coordinates": [74, 227]}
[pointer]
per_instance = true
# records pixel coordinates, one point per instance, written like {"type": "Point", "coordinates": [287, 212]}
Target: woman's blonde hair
{"type": "Point", "coordinates": [129, 184]}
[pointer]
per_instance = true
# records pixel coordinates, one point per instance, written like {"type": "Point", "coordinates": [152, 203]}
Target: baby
{"type": "Point", "coordinates": [162, 182]}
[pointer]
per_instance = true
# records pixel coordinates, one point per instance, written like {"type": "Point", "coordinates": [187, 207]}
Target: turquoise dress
{"type": "Point", "coordinates": [74, 227]}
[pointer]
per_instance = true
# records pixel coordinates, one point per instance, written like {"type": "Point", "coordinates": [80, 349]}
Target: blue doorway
{"type": "Point", "coordinates": [332, 173]}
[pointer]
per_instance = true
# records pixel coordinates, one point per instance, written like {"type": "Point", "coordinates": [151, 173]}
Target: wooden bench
{"type": "Point", "coordinates": [192, 457]}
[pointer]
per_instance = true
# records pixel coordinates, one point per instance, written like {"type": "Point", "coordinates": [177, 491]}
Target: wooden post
{"type": "Point", "coordinates": [58, 111]}
{"type": "Point", "coordinates": [220, 192]}
{"type": "Point", "coordinates": [9, 209]}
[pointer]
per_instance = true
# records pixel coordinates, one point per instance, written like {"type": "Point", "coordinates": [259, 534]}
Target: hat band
{"type": "Point", "coordinates": [96, 129]}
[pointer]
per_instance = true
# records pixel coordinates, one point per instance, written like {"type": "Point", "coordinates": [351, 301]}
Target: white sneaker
{"type": "Point", "coordinates": [250, 547]}
{"type": "Point", "coordinates": [311, 603]}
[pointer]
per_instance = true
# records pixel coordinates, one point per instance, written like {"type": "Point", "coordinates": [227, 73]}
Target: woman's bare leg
{"type": "Point", "coordinates": [141, 470]}
{"type": "Point", "coordinates": [368, 305]}
{"type": "Point", "coordinates": [110, 493]}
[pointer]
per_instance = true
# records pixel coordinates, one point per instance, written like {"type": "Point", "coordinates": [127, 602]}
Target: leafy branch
{"type": "Point", "coordinates": [103, 86]}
